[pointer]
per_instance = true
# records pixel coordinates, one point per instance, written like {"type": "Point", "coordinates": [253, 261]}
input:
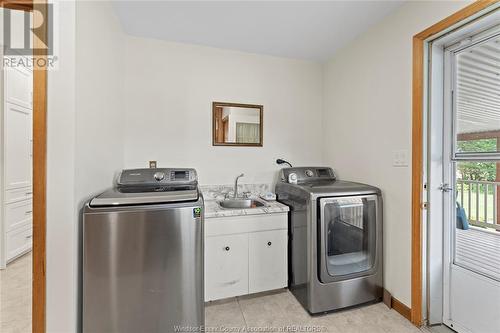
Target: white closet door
{"type": "Point", "coordinates": [18, 146]}
{"type": "Point", "coordinates": [19, 86]}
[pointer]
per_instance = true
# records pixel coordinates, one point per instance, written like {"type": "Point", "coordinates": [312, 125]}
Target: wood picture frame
{"type": "Point", "coordinates": [217, 131]}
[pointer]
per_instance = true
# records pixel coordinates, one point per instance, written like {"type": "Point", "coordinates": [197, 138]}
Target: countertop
{"type": "Point", "coordinates": [212, 209]}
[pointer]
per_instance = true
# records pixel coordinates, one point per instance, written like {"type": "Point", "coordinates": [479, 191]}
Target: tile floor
{"type": "Point", "coordinates": [276, 311]}
{"type": "Point", "coordinates": [15, 296]}
{"type": "Point", "coordinates": [281, 312]}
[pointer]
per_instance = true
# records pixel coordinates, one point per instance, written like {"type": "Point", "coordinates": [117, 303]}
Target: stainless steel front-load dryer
{"type": "Point", "coordinates": [335, 239]}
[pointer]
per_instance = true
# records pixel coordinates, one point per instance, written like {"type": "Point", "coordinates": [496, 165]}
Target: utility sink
{"type": "Point", "coordinates": [241, 203]}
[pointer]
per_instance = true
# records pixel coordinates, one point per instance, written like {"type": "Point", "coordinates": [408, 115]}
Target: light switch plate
{"type": "Point", "coordinates": [400, 158]}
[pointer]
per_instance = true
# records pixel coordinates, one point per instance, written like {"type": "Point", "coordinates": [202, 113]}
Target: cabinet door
{"type": "Point", "coordinates": [18, 146]}
{"type": "Point", "coordinates": [226, 266]}
{"type": "Point", "coordinates": [268, 260]}
{"type": "Point", "coordinates": [19, 86]}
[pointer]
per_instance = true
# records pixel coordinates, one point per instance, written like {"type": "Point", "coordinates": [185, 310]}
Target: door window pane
{"type": "Point", "coordinates": [350, 238]}
{"type": "Point", "coordinates": [478, 98]}
{"type": "Point", "coordinates": [477, 232]}
{"type": "Point", "coordinates": [478, 189]}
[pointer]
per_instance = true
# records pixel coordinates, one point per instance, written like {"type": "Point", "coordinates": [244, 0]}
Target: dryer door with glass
{"type": "Point", "coordinates": [349, 237]}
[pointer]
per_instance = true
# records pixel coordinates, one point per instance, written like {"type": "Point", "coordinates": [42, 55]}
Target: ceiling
{"type": "Point", "coordinates": [478, 90]}
{"type": "Point", "coordinates": [310, 30]}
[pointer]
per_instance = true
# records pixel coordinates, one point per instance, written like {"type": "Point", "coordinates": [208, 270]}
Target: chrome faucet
{"type": "Point", "coordinates": [235, 195]}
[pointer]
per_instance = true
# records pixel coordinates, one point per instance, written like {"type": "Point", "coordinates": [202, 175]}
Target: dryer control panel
{"type": "Point", "coordinates": [302, 175]}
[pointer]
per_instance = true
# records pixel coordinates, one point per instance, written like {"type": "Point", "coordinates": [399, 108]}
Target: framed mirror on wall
{"type": "Point", "coordinates": [235, 124]}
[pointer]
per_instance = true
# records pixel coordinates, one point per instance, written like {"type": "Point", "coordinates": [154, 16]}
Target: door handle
{"type": "Point", "coordinates": [445, 187]}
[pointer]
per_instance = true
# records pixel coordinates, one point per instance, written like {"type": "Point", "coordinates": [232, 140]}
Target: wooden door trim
{"type": "Point", "coordinates": [417, 144]}
{"type": "Point", "coordinates": [39, 164]}
{"type": "Point", "coordinates": [39, 175]}
{"type": "Point", "coordinates": [26, 5]}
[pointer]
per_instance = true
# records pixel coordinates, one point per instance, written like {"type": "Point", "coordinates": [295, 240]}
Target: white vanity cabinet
{"type": "Point", "coordinates": [226, 266]}
{"type": "Point", "coordinates": [267, 260]}
{"type": "Point", "coordinates": [245, 254]}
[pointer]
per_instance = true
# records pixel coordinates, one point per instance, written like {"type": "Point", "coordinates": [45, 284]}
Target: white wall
{"type": "Point", "coordinates": [62, 220]}
{"type": "Point", "coordinates": [85, 142]}
{"type": "Point", "coordinates": [367, 94]}
{"type": "Point", "coordinates": [170, 88]}
{"type": "Point", "coordinates": [99, 99]}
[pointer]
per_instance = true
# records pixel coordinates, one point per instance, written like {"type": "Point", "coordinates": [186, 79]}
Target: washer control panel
{"type": "Point", "coordinates": [157, 176]}
{"type": "Point", "coordinates": [182, 175]}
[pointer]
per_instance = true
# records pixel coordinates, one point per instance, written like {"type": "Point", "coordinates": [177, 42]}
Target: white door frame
{"type": "Point", "coordinates": [2, 223]}
{"type": "Point", "coordinates": [438, 251]}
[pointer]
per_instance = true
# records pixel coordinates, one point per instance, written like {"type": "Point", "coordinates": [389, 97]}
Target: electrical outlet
{"type": "Point", "coordinates": [400, 158]}
{"type": "Point", "coordinates": [152, 164]}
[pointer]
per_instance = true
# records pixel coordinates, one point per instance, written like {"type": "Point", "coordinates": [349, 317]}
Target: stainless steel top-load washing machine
{"type": "Point", "coordinates": [142, 255]}
{"type": "Point", "coordinates": [335, 239]}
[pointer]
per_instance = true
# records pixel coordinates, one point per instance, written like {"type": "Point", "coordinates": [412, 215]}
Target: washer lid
{"type": "Point", "coordinates": [340, 187]}
{"type": "Point", "coordinates": [142, 196]}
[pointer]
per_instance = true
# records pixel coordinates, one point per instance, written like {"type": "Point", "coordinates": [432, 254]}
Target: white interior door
{"type": "Point", "coordinates": [17, 146]}
{"type": "Point", "coordinates": [18, 87]}
{"type": "Point", "coordinates": [471, 182]}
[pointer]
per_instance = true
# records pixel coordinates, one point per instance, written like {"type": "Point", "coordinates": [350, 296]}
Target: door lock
{"type": "Point", "coordinates": [445, 188]}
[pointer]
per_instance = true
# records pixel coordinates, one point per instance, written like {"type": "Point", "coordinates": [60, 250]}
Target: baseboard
{"type": "Point", "coordinates": [401, 308]}
{"type": "Point", "coordinates": [398, 306]}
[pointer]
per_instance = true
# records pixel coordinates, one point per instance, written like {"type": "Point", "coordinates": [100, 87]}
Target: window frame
{"type": "Point", "coordinates": [455, 49]}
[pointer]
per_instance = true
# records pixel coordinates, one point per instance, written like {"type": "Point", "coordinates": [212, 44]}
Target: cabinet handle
{"type": "Point", "coordinates": [28, 193]}
{"type": "Point", "coordinates": [269, 243]}
{"type": "Point", "coordinates": [28, 237]}
{"type": "Point", "coordinates": [227, 248]}
{"type": "Point", "coordinates": [28, 212]}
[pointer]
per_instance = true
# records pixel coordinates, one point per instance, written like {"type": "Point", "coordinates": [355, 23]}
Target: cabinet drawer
{"type": "Point", "coordinates": [268, 260]}
{"type": "Point", "coordinates": [18, 194]}
{"type": "Point", "coordinates": [226, 266]}
{"type": "Point", "coordinates": [18, 214]}
{"type": "Point", "coordinates": [18, 241]}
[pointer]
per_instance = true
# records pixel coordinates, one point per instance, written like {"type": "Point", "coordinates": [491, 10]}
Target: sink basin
{"type": "Point", "coordinates": [241, 203]}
